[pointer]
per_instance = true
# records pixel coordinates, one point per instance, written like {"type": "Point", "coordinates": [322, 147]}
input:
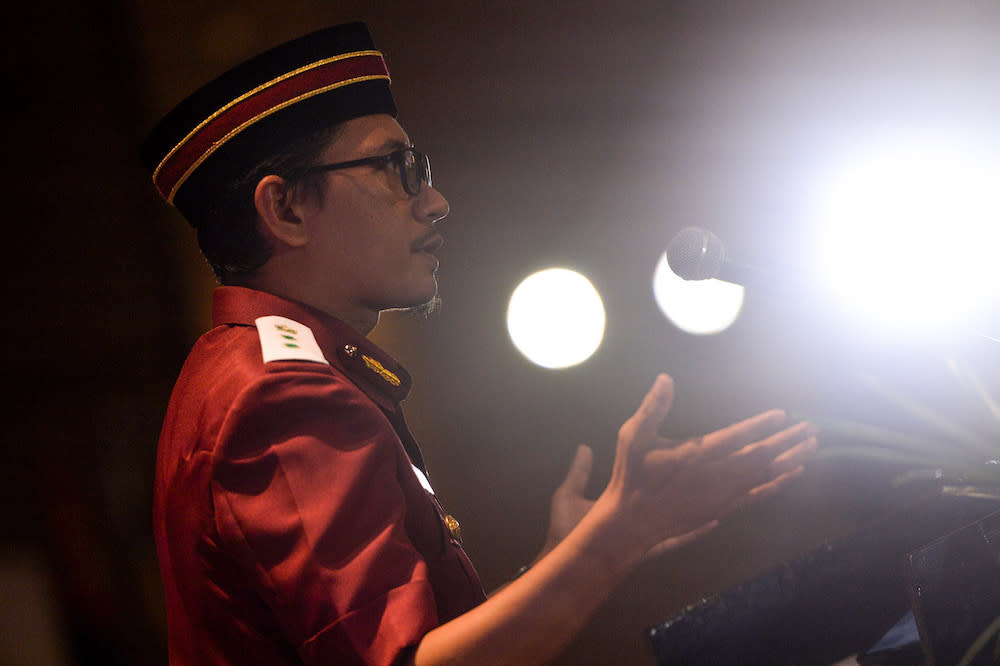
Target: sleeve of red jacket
{"type": "Point", "coordinates": [308, 500]}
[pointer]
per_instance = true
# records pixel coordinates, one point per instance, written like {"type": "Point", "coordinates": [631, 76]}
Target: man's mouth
{"type": "Point", "coordinates": [430, 243]}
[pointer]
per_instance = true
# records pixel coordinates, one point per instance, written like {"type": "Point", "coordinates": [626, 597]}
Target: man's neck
{"type": "Point", "coordinates": [362, 320]}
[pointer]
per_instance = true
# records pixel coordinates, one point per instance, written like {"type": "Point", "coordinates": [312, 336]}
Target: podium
{"type": "Point", "coordinates": [917, 587]}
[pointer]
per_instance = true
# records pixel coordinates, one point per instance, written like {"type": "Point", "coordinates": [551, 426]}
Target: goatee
{"type": "Point", "coordinates": [425, 310]}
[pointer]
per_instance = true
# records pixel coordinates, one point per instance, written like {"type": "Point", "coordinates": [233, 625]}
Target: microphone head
{"type": "Point", "coordinates": [696, 254]}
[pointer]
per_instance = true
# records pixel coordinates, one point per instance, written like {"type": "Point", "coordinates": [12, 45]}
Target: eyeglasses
{"type": "Point", "coordinates": [414, 167]}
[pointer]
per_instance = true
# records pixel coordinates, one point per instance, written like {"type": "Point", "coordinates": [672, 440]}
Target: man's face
{"type": "Point", "coordinates": [373, 245]}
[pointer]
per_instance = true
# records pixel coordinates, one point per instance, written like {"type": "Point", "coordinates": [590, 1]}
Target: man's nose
{"type": "Point", "coordinates": [430, 205]}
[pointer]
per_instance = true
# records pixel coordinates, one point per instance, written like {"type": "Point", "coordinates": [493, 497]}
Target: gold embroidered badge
{"type": "Point", "coordinates": [453, 527]}
{"type": "Point", "coordinates": [380, 370]}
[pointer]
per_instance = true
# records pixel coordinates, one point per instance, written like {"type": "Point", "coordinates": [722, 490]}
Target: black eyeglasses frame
{"type": "Point", "coordinates": [421, 166]}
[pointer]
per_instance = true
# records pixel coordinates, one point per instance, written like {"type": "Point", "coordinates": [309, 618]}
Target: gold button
{"type": "Point", "coordinates": [454, 528]}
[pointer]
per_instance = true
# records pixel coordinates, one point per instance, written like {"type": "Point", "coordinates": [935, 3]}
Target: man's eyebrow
{"type": "Point", "coordinates": [394, 144]}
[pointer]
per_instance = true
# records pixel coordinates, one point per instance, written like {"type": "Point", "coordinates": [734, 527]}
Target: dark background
{"type": "Point", "coordinates": [579, 134]}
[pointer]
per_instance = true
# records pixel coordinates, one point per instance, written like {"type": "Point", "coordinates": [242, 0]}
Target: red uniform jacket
{"type": "Point", "coordinates": [292, 525]}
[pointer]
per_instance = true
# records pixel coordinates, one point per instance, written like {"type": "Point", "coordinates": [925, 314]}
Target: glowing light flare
{"type": "Point", "coordinates": [908, 235]}
{"type": "Point", "coordinates": [699, 307]}
{"type": "Point", "coordinates": [556, 318]}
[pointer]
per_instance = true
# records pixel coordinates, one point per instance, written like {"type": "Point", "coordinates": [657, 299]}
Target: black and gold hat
{"type": "Point", "coordinates": [253, 110]}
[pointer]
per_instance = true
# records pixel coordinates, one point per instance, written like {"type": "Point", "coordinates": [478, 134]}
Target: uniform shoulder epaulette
{"type": "Point", "coordinates": [283, 339]}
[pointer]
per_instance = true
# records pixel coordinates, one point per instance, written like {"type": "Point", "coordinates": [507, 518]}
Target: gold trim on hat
{"type": "Point", "coordinates": [219, 143]}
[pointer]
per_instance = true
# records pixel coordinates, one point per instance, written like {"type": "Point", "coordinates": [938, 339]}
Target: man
{"type": "Point", "coordinates": [293, 516]}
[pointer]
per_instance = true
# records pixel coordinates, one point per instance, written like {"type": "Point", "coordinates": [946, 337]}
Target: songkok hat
{"type": "Point", "coordinates": [232, 123]}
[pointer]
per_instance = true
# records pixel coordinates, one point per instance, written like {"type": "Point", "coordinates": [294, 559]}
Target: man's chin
{"type": "Point", "coordinates": [426, 309]}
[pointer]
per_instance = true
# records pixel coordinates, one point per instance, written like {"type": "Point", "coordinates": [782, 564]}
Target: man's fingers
{"type": "Point", "coordinates": [654, 408]}
{"type": "Point", "coordinates": [735, 437]}
{"type": "Point", "coordinates": [763, 461]}
{"type": "Point", "coordinates": [677, 541]}
{"type": "Point", "coordinates": [773, 486]}
{"type": "Point", "coordinates": [579, 471]}
{"type": "Point", "coordinates": [795, 456]}
{"type": "Point", "coordinates": [779, 442]}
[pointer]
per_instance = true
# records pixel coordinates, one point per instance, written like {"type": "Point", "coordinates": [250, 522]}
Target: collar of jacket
{"type": "Point", "coordinates": [372, 369]}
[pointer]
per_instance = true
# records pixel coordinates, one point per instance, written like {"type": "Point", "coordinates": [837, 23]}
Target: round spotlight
{"type": "Point", "coordinates": [556, 318]}
{"type": "Point", "coordinates": [700, 307]}
{"type": "Point", "coordinates": [909, 229]}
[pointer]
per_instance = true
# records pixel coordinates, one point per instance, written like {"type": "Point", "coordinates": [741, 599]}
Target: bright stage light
{"type": "Point", "coordinates": [556, 318]}
{"type": "Point", "coordinates": [700, 307]}
{"type": "Point", "coordinates": [909, 235]}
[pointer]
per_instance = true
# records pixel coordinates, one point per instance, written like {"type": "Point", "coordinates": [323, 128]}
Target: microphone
{"type": "Point", "coordinates": [698, 254]}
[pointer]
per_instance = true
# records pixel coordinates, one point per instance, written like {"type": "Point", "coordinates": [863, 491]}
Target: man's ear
{"type": "Point", "coordinates": [274, 199]}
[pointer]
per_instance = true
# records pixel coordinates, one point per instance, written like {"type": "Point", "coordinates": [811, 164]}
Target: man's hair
{"type": "Point", "coordinates": [228, 233]}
